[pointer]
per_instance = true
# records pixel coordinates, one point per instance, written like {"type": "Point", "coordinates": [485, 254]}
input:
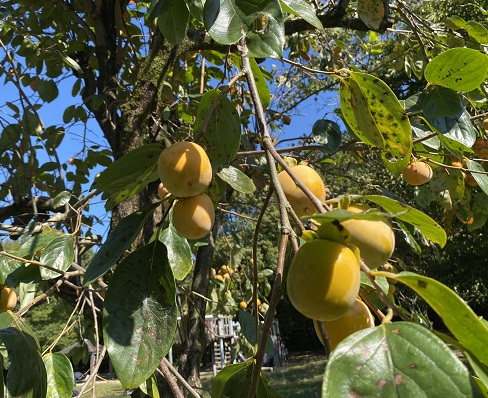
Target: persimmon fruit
{"type": "Point", "coordinates": [8, 299]}
{"type": "Point", "coordinates": [323, 279]}
{"type": "Point", "coordinates": [242, 305]}
{"type": "Point", "coordinates": [484, 124]}
{"type": "Point", "coordinates": [299, 202]}
{"type": "Point", "coordinates": [184, 169]}
{"type": "Point", "coordinates": [357, 317]}
{"type": "Point", "coordinates": [417, 173]}
{"type": "Point", "coordinates": [374, 239]}
{"type": "Point", "coordinates": [193, 217]}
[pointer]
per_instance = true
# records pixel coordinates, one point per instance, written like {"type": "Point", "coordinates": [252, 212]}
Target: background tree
{"type": "Point", "coordinates": [149, 75]}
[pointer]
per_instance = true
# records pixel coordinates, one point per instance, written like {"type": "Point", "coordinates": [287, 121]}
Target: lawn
{"type": "Point", "coordinates": [105, 389]}
{"type": "Point", "coordinates": [300, 377]}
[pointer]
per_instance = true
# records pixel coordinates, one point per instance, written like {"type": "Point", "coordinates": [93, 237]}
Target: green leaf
{"type": "Point", "coordinates": [262, 22]}
{"type": "Point", "coordinates": [117, 242]}
{"type": "Point", "coordinates": [60, 376]}
{"type": "Point", "coordinates": [371, 12]}
{"type": "Point", "coordinates": [248, 330]}
{"type": "Point", "coordinates": [400, 359]}
{"type": "Point", "coordinates": [196, 9]}
{"type": "Point", "coordinates": [463, 130]}
{"type": "Point", "coordinates": [429, 228]}
{"type": "Point", "coordinates": [173, 22]}
{"type": "Point", "coordinates": [48, 90]}
{"type": "Point", "coordinates": [459, 318]}
{"type": "Point", "coordinates": [139, 314]}
{"type": "Point", "coordinates": [72, 64]}
{"type": "Point", "coordinates": [179, 252]}
{"type": "Point", "coordinates": [32, 123]}
{"type": "Point", "coordinates": [237, 179]}
{"type": "Point", "coordinates": [7, 266]}
{"type": "Point", "coordinates": [150, 387]}
{"type": "Point", "coordinates": [421, 131]}
{"type": "Point", "coordinates": [479, 368]}
{"type": "Point", "coordinates": [263, 89]}
{"type": "Point", "coordinates": [37, 243]}
{"type": "Point", "coordinates": [380, 280]}
{"type": "Point", "coordinates": [232, 381]}
{"type": "Point", "coordinates": [444, 112]}
{"type": "Point", "coordinates": [29, 273]}
{"type": "Point", "coordinates": [222, 136]}
{"type": "Point", "coordinates": [58, 254]}
{"type": "Point", "coordinates": [480, 178]}
{"type": "Point", "coordinates": [453, 146]}
{"type": "Point", "coordinates": [343, 215]}
{"type": "Point", "coordinates": [61, 199]}
{"type": "Point", "coordinates": [474, 29]}
{"type": "Point", "coordinates": [9, 319]}
{"type": "Point", "coordinates": [442, 107]}
{"type": "Point", "coordinates": [453, 182]}
{"type": "Point", "coordinates": [128, 175]}
{"type": "Point", "coordinates": [460, 69]}
{"type": "Point", "coordinates": [375, 115]}
{"type": "Point", "coordinates": [26, 375]}
{"type": "Point", "coordinates": [302, 9]}
{"type": "Point", "coordinates": [328, 134]}
{"type": "Point", "coordinates": [157, 8]}
{"type": "Point", "coordinates": [267, 36]}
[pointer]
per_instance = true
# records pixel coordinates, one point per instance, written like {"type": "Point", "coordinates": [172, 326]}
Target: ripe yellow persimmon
{"type": "Point", "coordinates": [185, 170]}
{"type": "Point", "coordinates": [242, 305]}
{"type": "Point", "coordinates": [358, 317]}
{"type": "Point", "coordinates": [417, 173]}
{"type": "Point", "coordinates": [375, 239]}
{"type": "Point", "coordinates": [193, 217]}
{"type": "Point", "coordinates": [471, 181]}
{"type": "Point", "coordinates": [480, 147]}
{"type": "Point", "coordinates": [8, 299]}
{"type": "Point", "coordinates": [219, 277]}
{"type": "Point", "coordinates": [323, 279]}
{"type": "Point", "coordinates": [484, 124]}
{"type": "Point", "coordinates": [300, 203]}
{"type": "Point", "coordinates": [225, 269]}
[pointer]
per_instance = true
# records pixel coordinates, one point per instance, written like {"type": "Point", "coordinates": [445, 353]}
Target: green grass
{"type": "Point", "coordinates": [300, 377]}
{"type": "Point", "coordinates": [105, 389]}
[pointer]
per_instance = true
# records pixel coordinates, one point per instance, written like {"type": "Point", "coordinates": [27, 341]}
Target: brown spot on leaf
{"type": "Point", "coordinates": [382, 383]}
{"type": "Point", "coordinates": [422, 284]}
{"type": "Point", "coordinates": [412, 366]}
{"type": "Point", "coordinates": [398, 379]}
{"type": "Point", "coordinates": [354, 394]}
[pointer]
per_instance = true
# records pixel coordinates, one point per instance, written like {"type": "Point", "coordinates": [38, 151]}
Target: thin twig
{"type": "Point", "coordinates": [93, 371]}
{"type": "Point", "coordinates": [271, 156]}
{"type": "Point", "coordinates": [181, 379]}
{"type": "Point", "coordinates": [164, 371]}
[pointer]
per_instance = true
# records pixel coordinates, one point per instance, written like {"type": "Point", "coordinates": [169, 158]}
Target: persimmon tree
{"type": "Point", "coordinates": [410, 84]}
